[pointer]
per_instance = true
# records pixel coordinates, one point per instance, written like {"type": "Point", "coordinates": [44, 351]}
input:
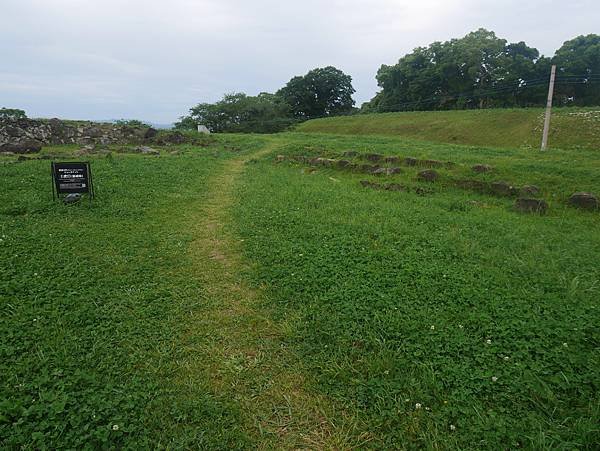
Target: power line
{"type": "Point", "coordinates": [520, 86]}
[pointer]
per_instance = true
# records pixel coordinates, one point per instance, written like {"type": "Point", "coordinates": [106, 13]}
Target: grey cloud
{"type": "Point", "coordinates": [154, 59]}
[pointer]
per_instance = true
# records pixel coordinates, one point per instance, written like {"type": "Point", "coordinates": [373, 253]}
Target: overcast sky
{"type": "Point", "coordinates": [154, 59]}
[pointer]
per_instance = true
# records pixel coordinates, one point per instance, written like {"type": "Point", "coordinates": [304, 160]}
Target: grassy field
{"type": "Point", "coordinates": [221, 299]}
{"type": "Point", "coordinates": [572, 128]}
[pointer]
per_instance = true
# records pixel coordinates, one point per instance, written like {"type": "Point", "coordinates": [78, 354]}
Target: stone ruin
{"type": "Point", "coordinates": [29, 135]}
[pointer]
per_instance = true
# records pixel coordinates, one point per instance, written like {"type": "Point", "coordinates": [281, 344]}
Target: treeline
{"type": "Point", "coordinates": [484, 71]}
{"type": "Point", "coordinates": [479, 70]}
{"type": "Point", "coordinates": [321, 92]}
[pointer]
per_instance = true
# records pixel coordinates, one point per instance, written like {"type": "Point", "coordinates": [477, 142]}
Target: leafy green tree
{"type": "Point", "coordinates": [186, 123]}
{"type": "Point", "coordinates": [578, 71]}
{"type": "Point", "coordinates": [321, 92]}
{"type": "Point", "coordinates": [238, 112]}
{"type": "Point", "coordinates": [131, 123]}
{"type": "Point", "coordinates": [477, 71]}
{"type": "Point", "coordinates": [12, 113]}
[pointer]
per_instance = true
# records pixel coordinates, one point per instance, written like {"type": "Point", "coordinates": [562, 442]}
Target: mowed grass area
{"type": "Point", "coordinates": [393, 320]}
{"type": "Point", "coordinates": [446, 320]}
{"type": "Point", "coordinates": [94, 307]}
{"type": "Point", "coordinates": [571, 128]}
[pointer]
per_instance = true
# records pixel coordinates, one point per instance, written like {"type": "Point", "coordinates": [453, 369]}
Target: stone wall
{"type": "Point", "coordinates": [29, 135]}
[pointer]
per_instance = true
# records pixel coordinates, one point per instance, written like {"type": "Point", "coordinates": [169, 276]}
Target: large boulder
{"type": "Point", "coordinates": [21, 147]}
{"type": "Point", "coordinates": [587, 201]}
{"type": "Point", "coordinates": [530, 190]}
{"type": "Point", "coordinates": [503, 189]}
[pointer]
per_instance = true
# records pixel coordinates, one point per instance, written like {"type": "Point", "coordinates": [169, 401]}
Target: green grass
{"type": "Point", "coordinates": [93, 300]}
{"type": "Point", "coordinates": [395, 295]}
{"type": "Point", "coordinates": [571, 128]}
{"type": "Point", "coordinates": [213, 302]}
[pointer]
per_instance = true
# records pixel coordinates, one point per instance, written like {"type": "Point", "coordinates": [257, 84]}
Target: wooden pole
{"type": "Point", "coordinates": [548, 108]}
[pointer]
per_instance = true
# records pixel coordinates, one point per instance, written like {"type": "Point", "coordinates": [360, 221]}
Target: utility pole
{"type": "Point", "coordinates": [548, 108]}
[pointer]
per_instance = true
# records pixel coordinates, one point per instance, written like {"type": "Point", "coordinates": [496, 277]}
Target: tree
{"type": "Point", "coordinates": [12, 113]}
{"type": "Point", "coordinates": [578, 71]}
{"type": "Point", "coordinates": [238, 112]}
{"type": "Point", "coordinates": [321, 92]}
{"type": "Point", "coordinates": [477, 71]}
{"type": "Point", "coordinates": [131, 123]}
{"type": "Point", "coordinates": [186, 123]}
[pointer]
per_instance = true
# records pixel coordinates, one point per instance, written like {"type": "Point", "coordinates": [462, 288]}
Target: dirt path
{"type": "Point", "coordinates": [238, 348]}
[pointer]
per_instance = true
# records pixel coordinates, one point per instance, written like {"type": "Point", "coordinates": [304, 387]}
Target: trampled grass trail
{"type": "Point", "coordinates": [238, 348]}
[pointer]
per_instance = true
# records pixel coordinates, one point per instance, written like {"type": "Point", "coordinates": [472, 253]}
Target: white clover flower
{"type": "Point", "coordinates": [565, 344]}
{"type": "Point", "coordinates": [115, 427]}
{"type": "Point", "coordinates": [418, 405]}
{"type": "Point", "coordinates": [432, 327]}
{"type": "Point", "coordinates": [506, 358]}
{"type": "Point", "coordinates": [452, 427]}
{"type": "Point", "coordinates": [488, 342]}
{"type": "Point", "coordinates": [460, 326]}
{"type": "Point", "coordinates": [494, 379]}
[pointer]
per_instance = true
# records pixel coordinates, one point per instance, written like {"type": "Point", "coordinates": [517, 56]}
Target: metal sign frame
{"type": "Point", "coordinates": [81, 170]}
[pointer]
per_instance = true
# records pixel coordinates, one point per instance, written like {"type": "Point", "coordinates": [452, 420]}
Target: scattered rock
{"type": "Point", "coordinates": [170, 137]}
{"type": "Point", "coordinates": [368, 169]}
{"type": "Point", "coordinates": [145, 150]}
{"type": "Point", "coordinates": [422, 191]}
{"type": "Point", "coordinates": [503, 189]}
{"type": "Point", "coordinates": [410, 161]}
{"type": "Point", "coordinates": [21, 147]}
{"type": "Point", "coordinates": [374, 157]}
{"type": "Point", "coordinates": [530, 190]}
{"type": "Point", "coordinates": [476, 185]}
{"type": "Point", "coordinates": [369, 184]}
{"type": "Point", "coordinates": [280, 158]}
{"type": "Point", "coordinates": [326, 162]}
{"type": "Point", "coordinates": [396, 187]}
{"type": "Point", "coordinates": [72, 198]}
{"type": "Point", "coordinates": [586, 201]}
{"type": "Point", "coordinates": [431, 163]}
{"type": "Point", "coordinates": [529, 205]}
{"type": "Point", "coordinates": [480, 168]}
{"type": "Point", "coordinates": [387, 171]}
{"type": "Point", "coordinates": [150, 133]}
{"type": "Point", "coordinates": [428, 175]}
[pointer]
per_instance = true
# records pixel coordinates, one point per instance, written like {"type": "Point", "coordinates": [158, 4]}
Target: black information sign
{"type": "Point", "coordinates": [72, 178]}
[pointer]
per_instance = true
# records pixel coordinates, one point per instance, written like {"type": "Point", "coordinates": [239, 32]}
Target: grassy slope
{"type": "Point", "coordinates": [394, 295]}
{"type": "Point", "coordinates": [571, 128]}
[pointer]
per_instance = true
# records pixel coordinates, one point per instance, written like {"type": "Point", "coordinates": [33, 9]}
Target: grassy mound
{"type": "Point", "coordinates": [571, 128]}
